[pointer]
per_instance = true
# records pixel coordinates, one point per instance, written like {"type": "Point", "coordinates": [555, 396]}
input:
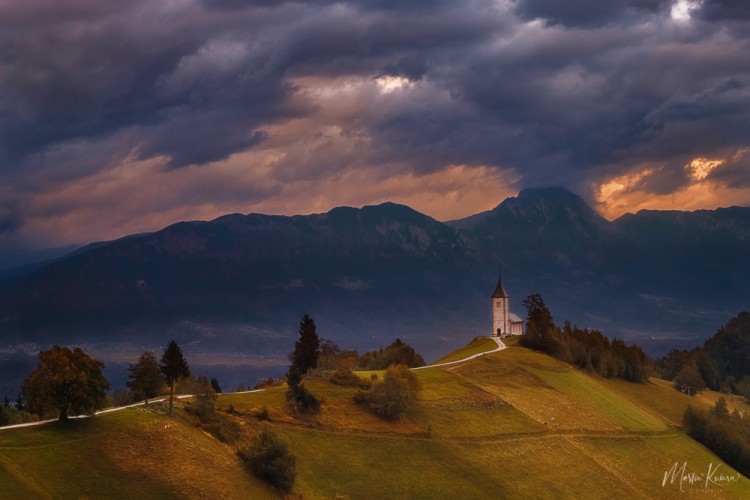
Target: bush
{"type": "Point", "coordinates": [397, 353]}
{"type": "Point", "coordinates": [344, 376]}
{"type": "Point", "coordinates": [268, 382]}
{"type": "Point", "coordinates": [304, 400]}
{"type": "Point", "coordinates": [269, 458]}
{"type": "Point", "coordinates": [223, 428]}
{"type": "Point", "coordinates": [389, 398]}
{"type": "Point", "coordinates": [11, 416]}
{"type": "Point", "coordinates": [262, 414]}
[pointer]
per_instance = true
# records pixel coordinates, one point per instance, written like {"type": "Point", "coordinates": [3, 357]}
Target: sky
{"type": "Point", "coordinates": [123, 117]}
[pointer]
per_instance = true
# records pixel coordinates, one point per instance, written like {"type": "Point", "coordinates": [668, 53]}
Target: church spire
{"type": "Point", "coordinates": [499, 292]}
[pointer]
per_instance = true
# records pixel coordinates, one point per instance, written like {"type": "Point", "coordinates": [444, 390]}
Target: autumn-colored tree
{"type": "Point", "coordinates": [173, 367]}
{"type": "Point", "coordinates": [145, 377]}
{"type": "Point", "coordinates": [390, 398]}
{"type": "Point", "coordinates": [65, 381]}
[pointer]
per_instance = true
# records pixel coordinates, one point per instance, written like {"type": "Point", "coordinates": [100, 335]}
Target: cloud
{"type": "Point", "coordinates": [10, 221]}
{"type": "Point", "coordinates": [724, 10]}
{"type": "Point", "coordinates": [588, 13]}
{"type": "Point", "coordinates": [123, 116]}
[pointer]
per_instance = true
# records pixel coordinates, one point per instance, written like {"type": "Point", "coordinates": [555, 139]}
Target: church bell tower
{"type": "Point", "coordinates": [500, 316]}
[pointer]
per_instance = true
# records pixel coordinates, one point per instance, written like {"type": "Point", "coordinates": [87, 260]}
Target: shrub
{"type": "Point", "coordinates": [303, 400]}
{"type": "Point", "coordinates": [268, 382]}
{"type": "Point", "coordinates": [344, 376]}
{"type": "Point", "coordinates": [262, 414]}
{"type": "Point", "coordinates": [224, 429]}
{"type": "Point", "coordinates": [397, 353]}
{"type": "Point", "coordinates": [269, 458]}
{"type": "Point", "coordinates": [389, 398]}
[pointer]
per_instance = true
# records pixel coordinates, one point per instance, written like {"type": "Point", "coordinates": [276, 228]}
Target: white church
{"type": "Point", "coordinates": [504, 322]}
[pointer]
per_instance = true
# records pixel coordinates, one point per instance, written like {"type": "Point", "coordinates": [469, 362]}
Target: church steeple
{"type": "Point", "coordinates": [499, 292]}
{"type": "Point", "coordinates": [500, 313]}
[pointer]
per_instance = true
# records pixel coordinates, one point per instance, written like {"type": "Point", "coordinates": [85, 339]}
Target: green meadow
{"type": "Point", "coordinates": [511, 424]}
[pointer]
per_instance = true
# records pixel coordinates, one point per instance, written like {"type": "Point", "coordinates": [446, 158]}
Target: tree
{"type": "Point", "coordinates": [145, 376]}
{"type": "Point", "coordinates": [173, 367]}
{"type": "Point", "coordinates": [397, 353]}
{"type": "Point", "coordinates": [65, 381]}
{"type": "Point", "coordinates": [215, 385]}
{"type": "Point", "coordinates": [538, 316]}
{"type": "Point", "coordinates": [689, 380]}
{"type": "Point", "coordinates": [328, 351]}
{"type": "Point", "coordinates": [391, 397]}
{"type": "Point", "coordinates": [307, 347]}
{"type": "Point", "coordinates": [304, 358]}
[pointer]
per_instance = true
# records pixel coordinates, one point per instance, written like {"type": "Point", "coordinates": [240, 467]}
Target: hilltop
{"type": "Point", "coordinates": [237, 284]}
{"type": "Point", "coordinates": [514, 424]}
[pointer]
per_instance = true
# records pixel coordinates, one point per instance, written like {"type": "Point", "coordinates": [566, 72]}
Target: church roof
{"type": "Point", "coordinates": [499, 292]}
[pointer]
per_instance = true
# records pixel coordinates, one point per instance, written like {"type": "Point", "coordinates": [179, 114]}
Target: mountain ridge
{"type": "Point", "coordinates": [387, 270]}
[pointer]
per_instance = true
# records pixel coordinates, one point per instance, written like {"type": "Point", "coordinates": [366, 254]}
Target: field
{"type": "Point", "coordinates": [511, 424]}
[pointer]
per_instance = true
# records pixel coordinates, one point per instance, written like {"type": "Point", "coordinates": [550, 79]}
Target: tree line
{"type": "Point", "coordinates": [726, 434]}
{"type": "Point", "coordinates": [69, 382]}
{"type": "Point", "coordinates": [588, 349]}
{"type": "Point", "coordinates": [721, 364]}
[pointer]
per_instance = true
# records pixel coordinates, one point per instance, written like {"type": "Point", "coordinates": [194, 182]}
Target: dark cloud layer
{"type": "Point", "coordinates": [572, 93]}
{"type": "Point", "coordinates": [589, 13]}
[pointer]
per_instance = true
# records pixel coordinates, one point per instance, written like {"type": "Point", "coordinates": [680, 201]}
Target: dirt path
{"type": "Point", "coordinates": [110, 410]}
{"type": "Point", "coordinates": [500, 347]}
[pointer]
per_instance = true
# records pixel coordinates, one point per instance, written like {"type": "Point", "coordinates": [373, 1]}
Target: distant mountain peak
{"type": "Point", "coordinates": [551, 192]}
{"type": "Point", "coordinates": [548, 205]}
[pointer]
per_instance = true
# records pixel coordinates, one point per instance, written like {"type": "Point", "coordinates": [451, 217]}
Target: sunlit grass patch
{"type": "Point", "coordinates": [476, 346]}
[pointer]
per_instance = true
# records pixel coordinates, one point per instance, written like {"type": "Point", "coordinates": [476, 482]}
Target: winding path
{"type": "Point", "coordinates": [110, 410]}
{"type": "Point", "coordinates": [500, 347]}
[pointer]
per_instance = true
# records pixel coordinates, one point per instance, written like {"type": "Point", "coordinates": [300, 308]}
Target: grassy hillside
{"type": "Point", "coordinates": [514, 424]}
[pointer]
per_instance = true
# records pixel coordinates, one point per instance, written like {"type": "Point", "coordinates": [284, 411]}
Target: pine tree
{"type": "Point", "coordinates": [145, 377]}
{"type": "Point", "coordinates": [173, 367]}
{"type": "Point", "coordinates": [304, 358]}
{"type": "Point", "coordinates": [306, 349]}
{"type": "Point", "coordinates": [215, 385]}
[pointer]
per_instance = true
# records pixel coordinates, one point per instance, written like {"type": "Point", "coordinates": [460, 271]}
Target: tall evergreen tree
{"type": "Point", "coordinates": [304, 358]}
{"type": "Point", "coordinates": [173, 367]}
{"type": "Point", "coordinates": [307, 347]}
{"type": "Point", "coordinates": [145, 376]}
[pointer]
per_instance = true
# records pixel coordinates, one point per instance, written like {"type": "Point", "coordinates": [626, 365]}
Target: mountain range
{"type": "Point", "coordinates": [240, 283]}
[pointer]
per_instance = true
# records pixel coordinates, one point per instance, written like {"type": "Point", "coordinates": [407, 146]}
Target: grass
{"type": "Point", "coordinates": [476, 346]}
{"type": "Point", "coordinates": [511, 424]}
{"type": "Point", "coordinates": [128, 454]}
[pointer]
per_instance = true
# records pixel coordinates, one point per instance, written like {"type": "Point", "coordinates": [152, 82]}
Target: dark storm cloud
{"type": "Point", "coordinates": [570, 93]}
{"type": "Point", "coordinates": [588, 13]}
{"type": "Point", "coordinates": [735, 172]}
{"type": "Point", "coordinates": [200, 78]}
{"type": "Point", "coordinates": [724, 10]}
{"type": "Point", "coordinates": [10, 219]}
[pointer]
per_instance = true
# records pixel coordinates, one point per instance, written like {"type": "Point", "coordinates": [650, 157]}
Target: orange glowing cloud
{"type": "Point", "coordinates": [624, 193]}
